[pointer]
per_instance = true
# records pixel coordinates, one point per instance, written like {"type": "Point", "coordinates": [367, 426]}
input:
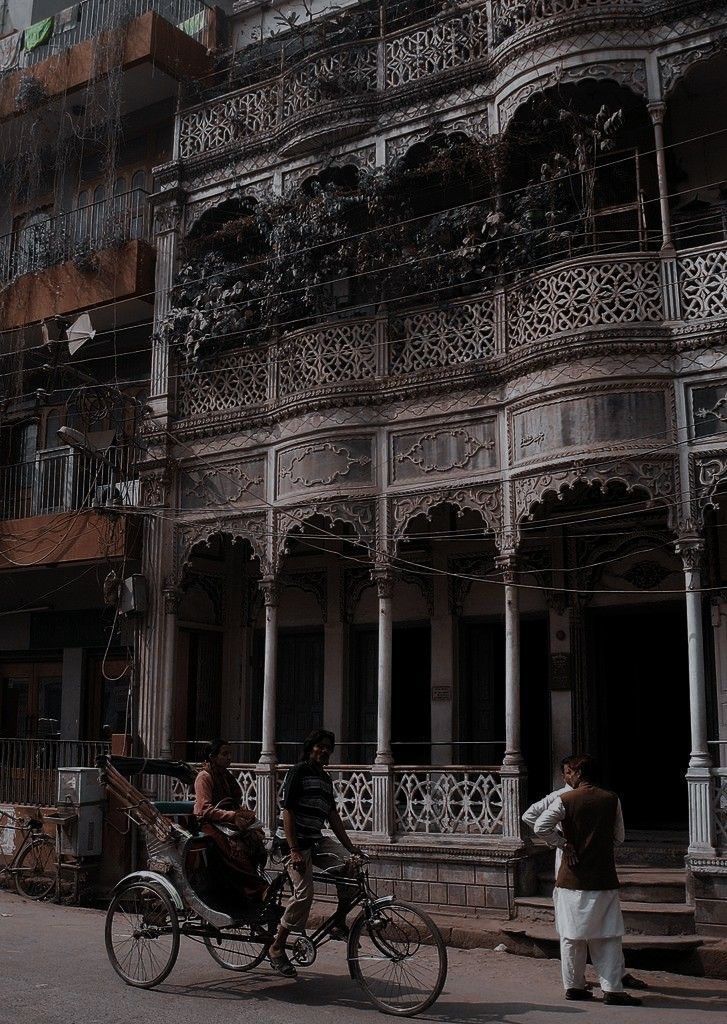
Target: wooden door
{"type": "Point", "coordinates": [300, 689]}
{"type": "Point", "coordinates": [30, 700]}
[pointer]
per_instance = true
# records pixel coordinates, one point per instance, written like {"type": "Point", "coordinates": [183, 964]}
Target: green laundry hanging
{"type": "Point", "coordinates": [194, 25]}
{"type": "Point", "coordinates": [36, 35]}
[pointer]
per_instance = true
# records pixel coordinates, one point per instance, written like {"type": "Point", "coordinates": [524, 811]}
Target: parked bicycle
{"type": "Point", "coordinates": [34, 866]}
{"type": "Point", "coordinates": [394, 950]}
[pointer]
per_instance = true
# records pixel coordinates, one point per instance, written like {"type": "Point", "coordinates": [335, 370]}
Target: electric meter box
{"type": "Point", "coordinates": [80, 791]}
{"type": "Point", "coordinates": [77, 786]}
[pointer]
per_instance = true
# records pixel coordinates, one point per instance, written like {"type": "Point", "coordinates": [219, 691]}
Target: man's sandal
{"type": "Point", "coordinates": [629, 981]}
{"type": "Point", "coordinates": [283, 966]}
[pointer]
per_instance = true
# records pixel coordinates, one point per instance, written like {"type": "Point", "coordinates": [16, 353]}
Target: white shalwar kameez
{"type": "Point", "coordinates": [586, 920]}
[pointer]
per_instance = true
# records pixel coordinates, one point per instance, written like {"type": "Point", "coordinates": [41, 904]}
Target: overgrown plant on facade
{"type": "Point", "coordinates": [349, 242]}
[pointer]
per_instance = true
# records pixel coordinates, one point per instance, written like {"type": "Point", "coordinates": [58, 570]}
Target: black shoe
{"type": "Point", "coordinates": [581, 994]}
{"type": "Point", "coordinates": [629, 981]}
{"type": "Point", "coordinates": [283, 966]}
{"type": "Point", "coordinates": [620, 999]}
{"type": "Point", "coordinates": [339, 933]}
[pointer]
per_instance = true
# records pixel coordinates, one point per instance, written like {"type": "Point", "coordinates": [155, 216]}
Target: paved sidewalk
{"type": "Point", "coordinates": [55, 970]}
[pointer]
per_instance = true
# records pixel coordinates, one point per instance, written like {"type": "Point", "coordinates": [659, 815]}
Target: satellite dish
{"type": "Point", "coordinates": [80, 331]}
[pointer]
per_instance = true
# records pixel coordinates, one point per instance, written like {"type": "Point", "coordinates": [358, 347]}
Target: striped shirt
{"type": "Point", "coordinates": [308, 795]}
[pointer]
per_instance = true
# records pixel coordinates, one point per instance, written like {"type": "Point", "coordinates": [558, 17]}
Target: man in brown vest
{"type": "Point", "coordinates": [587, 909]}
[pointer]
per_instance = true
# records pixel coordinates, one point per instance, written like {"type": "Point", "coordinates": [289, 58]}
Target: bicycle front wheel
{"type": "Point", "coordinates": [142, 934]}
{"type": "Point", "coordinates": [399, 958]}
{"type": "Point", "coordinates": [237, 949]}
{"type": "Point", "coordinates": [35, 872]}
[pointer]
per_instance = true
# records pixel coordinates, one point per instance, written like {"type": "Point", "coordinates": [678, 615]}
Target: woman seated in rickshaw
{"type": "Point", "coordinates": [221, 816]}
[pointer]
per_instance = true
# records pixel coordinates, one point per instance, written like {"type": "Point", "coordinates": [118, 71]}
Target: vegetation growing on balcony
{"type": "Point", "coordinates": [441, 222]}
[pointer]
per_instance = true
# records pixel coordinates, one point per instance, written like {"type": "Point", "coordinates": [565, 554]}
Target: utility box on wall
{"type": "Point", "coordinates": [79, 790]}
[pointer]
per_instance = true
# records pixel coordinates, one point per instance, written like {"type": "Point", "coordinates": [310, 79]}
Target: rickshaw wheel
{"type": "Point", "coordinates": [399, 958]}
{"type": "Point", "coordinates": [237, 949]}
{"type": "Point", "coordinates": [142, 934]}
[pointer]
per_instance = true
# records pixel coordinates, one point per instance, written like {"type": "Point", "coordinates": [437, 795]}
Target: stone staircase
{"type": "Point", "coordinates": [660, 928]}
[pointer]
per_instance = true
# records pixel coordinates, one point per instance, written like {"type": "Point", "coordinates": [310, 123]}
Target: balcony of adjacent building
{"type": "Point", "coordinates": [64, 506]}
{"type": "Point", "coordinates": [69, 497]}
{"type": "Point", "coordinates": [98, 253]}
{"type": "Point", "coordinates": [159, 40]}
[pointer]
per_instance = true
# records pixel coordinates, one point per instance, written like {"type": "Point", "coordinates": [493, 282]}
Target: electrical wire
{"type": "Point", "coordinates": [387, 227]}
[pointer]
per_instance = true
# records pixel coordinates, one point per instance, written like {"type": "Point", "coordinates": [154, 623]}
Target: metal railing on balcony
{"type": "Point", "coordinates": [28, 767]}
{"type": "Point", "coordinates": [89, 18]}
{"type": "Point", "coordinates": [76, 235]}
{"type": "Point", "coordinates": [64, 480]}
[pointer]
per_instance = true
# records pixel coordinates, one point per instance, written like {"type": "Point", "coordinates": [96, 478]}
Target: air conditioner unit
{"type": "Point", "coordinates": [133, 596]}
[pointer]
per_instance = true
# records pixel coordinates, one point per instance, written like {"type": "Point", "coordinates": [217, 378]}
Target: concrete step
{"type": "Point", "coordinates": [546, 934]}
{"type": "Point", "coordinates": [657, 849]}
{"type": "Point", "coordinates": [638, 884]}
{"type": "Point", "coordinates": [640, 918]}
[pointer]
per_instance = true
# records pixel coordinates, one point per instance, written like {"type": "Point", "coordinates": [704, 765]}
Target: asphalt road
{"type": "Point", "coordinates": [53, 970]}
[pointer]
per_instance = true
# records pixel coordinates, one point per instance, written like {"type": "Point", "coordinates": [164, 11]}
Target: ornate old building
{"type": "Point", "coordinates": [432, 442]}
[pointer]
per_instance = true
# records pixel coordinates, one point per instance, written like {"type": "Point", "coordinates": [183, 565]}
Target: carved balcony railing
{"type": "Point", "coordinates": [590, 293]}
{"type": "Point", "coordinates": [570, 300]}
{"type": "Point", "coordinates": [444, 801]}
{"type": "Point", "coordinates": [371, 67]}
{"type": "Point", "coordinates": [463, 332]}
{"type": "Point", "coordinates": [65, 480]}
{"type": "Point", "coordinates": [341, 354]}
{"type": "Point", "coordinates": [513, 16]}
{"type": "Point", "coordinates": [75, 235]}
{"type": "Point", "coordinates": [89, 18]}
{"type": "Point", "coordinates": [353, 69]}
{"type": "Point", "coordinates": [703, 283]}
{"type": "Point", "coordinates": [448, 801]}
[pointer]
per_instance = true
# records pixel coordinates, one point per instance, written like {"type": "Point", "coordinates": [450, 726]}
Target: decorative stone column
{"type": "Point", "coordinates": [656, 111]}
{"type": "Point", "coordinates": [171, 606]}
{"type": "Point", "coordinates": [267, 789]}
{"type": "Point", "coordinates": [669, 269]}
{"type": "Point", "coordinates": [690, 548]}
{"type": "Point", "coordinates": [383, 768]}
{"type": "Point", "coordinates": [384, 580]}
{"type": "Point", "coordinates": [152, 641]}
{"type": "Point", "coordinates": [167, 224]}
{"type": "Point", "coordinates": [513, 772]}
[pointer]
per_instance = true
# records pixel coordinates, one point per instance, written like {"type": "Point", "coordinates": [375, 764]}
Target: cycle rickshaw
{"type": "Point", "coordinates": [394, 950]}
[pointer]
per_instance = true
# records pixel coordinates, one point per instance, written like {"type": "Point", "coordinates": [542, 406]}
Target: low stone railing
{"type": "Point", "coordinates": [448, 801]}
{"type": "Point", "coordinates": [407, 801]}
{"type": "Point", "coordinates": [569, 299]}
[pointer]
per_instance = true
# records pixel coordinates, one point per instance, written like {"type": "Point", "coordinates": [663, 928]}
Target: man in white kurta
{"type": "Point", "coordinates": [585, 823]}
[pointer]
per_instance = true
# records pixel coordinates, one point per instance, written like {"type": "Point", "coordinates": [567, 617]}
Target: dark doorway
{"type": "Point", "coordinates": [299, 697]}
{"type": "Point", "coordinates": [204, 685]}
{"type": "Point", "coordinates": [411, 709]}
{"type": "Point", "coordinates": [481, 704]}
{"type": "Point", "coordinates": [362, 696]}
{"type": "Point", "coordinates": [639, 709]}
{"type": "Point", "coordinates": [411, 719]}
